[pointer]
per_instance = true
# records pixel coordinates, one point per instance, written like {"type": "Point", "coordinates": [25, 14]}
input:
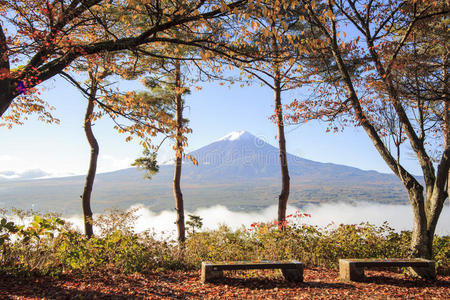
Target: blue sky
{"type": "Point", "coordinates": [213, 111]}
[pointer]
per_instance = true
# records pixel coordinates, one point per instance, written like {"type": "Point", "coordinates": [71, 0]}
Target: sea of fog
{"type": "Point", "coordinates": [399, 217]}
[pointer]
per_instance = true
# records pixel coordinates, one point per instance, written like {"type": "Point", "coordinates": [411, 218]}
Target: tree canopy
{"type": "Point", "coordinates": [39, 39]}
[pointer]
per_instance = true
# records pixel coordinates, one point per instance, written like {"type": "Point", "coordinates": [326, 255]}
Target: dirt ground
{"type": "Point", "coordinates": [318, 284]}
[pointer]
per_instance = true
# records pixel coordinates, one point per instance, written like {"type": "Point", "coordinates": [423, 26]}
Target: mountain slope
{"type": "Point", "coordinates": [239, 170]}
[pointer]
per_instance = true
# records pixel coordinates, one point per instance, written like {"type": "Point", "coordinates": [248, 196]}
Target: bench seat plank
{"type": "Point", "coordinates": [292, 270]}
{"type": "Point", "coordinates": [249, 265]}
{"type": "Point", "coordinates": [353, 269]}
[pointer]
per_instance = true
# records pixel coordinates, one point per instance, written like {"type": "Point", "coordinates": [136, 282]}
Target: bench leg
{"type": "Point", "coordinates": [349, 271]}
{"type": "Point", "coordinates": [424, 272]}
{"type": "Point", "coordinates": [209, 274]}
{"type": "Point", "coordinates": [295, 275]}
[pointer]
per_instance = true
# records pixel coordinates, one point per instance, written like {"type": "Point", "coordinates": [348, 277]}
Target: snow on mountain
{"type": "Point", "coordinates": [237, 135]}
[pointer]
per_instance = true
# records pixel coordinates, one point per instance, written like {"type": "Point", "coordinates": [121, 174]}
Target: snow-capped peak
{"type": "Point", "coordinates": [236, 135]}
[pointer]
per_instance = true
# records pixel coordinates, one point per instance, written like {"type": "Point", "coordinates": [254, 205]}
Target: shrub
{"type": "Point", "coordinates": [51, 246]}
{"type": "Point", "coordinates": [220, 245]}
{"type": "Point", "coordinates": [29, 249]}
{"type": "Point", "coordinates": [441, 250]}
{"type": "Point", "coordinates": [313, 245]}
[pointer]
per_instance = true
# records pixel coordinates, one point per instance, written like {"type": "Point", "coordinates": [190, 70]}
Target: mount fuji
{"type": "Point", "coordinates": [239, 170]}
{"type": "Point", "coordinates": [241, 155]}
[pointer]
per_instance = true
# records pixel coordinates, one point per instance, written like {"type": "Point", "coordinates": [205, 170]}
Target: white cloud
{"type": "Point", "coordinates": [28, 174]}
{"type": "Point", "coordinates": [9, 162]}
{"type": "Point", "coordinates": [6, 158]}
{"type": "Point", "coordinates": [57, 167]}
{"type": "Point", "coordinates": [399, 217]}
{"type": "Point", "coordinates": [108, 163]}
{"type": "Point", "coordinates": [32, 174]}
{"type": "Point", "coordinates": [62, 174]}
{"type": "Point", "coordinates": [18, 167]}
{"type": "Point", "coordinates": [9, 177]}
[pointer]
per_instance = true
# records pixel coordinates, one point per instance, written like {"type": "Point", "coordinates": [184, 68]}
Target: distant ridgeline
{"type": "Point", "coordinates": [239, 171]}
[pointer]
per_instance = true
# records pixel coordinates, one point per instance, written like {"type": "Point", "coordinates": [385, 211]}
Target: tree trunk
{"type": "Point", "coordinates": [446, 113]}
{"type": "Point", "coordinates": [179, 206]}
{"type": "Point", "coordinates": [420, 241]}
{"type": "Point", "coordinates": [425, 224]}
{"type": "Point", "coordinates": [284, 195]}
{"type": "Point", "coordinates": [86, 197]}
{"type": "Point", "coordinates": [285, 180]}
{"type": "Point", "coordinates": [6, 96]}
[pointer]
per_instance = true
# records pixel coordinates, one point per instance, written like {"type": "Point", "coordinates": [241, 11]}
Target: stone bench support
{"type": "Point", "coordinates": [292, 270]}
{"type": "Point", "coordinates": [353, 269]}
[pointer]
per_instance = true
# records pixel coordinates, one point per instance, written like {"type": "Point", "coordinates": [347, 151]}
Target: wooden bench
{"type": "Point", "coordinates": [353, 269]}
{"type": "Point", "coordinates": [292, 270]}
